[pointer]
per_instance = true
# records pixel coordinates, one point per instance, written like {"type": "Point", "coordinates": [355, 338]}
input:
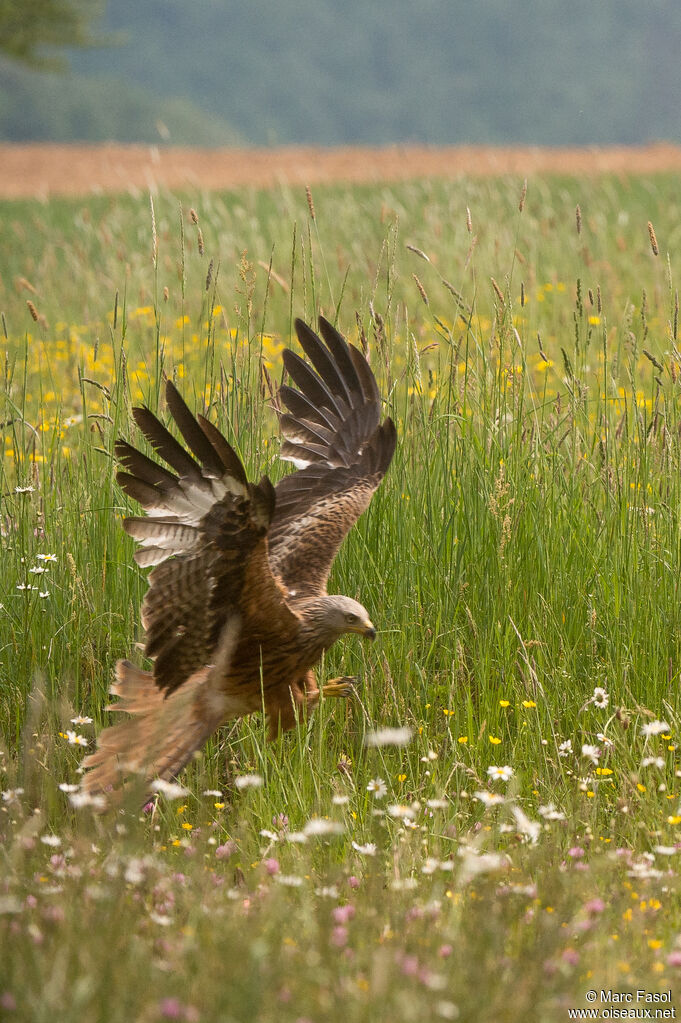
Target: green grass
{"type": "Point", "coordinates": [523, 550]}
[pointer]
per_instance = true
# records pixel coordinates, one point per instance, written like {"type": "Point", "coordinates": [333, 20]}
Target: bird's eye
{"type": "Point", "coordinates": [351, 619]}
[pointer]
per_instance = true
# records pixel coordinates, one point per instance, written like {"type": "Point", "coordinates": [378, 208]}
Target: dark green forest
{"type": "Point", "coordinates": [293, 71]}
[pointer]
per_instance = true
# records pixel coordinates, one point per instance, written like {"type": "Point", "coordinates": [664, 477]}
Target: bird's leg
{"type": "Point", "coordinates": [343, 686]}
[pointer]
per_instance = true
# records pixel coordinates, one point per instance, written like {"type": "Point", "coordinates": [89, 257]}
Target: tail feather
{"type": "Point", "coordinates": [161, 735]}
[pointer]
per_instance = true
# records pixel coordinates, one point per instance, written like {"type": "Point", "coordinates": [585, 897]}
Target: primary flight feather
{"type": "Point", "coordinates": [237, 613]}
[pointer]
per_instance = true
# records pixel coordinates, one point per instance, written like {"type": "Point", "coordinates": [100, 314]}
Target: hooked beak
{"type": "Point", "coordinates": [369, 630]}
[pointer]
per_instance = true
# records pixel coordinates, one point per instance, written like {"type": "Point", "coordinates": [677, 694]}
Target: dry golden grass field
{"type": "Point", "coordinates": [50, 169]}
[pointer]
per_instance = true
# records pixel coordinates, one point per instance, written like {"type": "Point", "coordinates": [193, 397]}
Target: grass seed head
{"type": "Point", "coordinates": [310, 202]}
{"type": "Point", "coordinates": [653, 240]}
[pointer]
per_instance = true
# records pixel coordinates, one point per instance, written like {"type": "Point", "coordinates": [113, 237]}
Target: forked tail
{"type": "Point", "coordinates": [159, 738]}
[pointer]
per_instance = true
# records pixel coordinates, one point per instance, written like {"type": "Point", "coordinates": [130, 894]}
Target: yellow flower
{"type": "Point", "coordinates": [463, 738]}
{"type": "Point", "coordinates": [529, 703]}
{"type": "Point", "coordinates": [504, 703]}
{"type": "Point", "coordinates": [187, 826]}
{"type": "Point", "coordinates": [494, 740]}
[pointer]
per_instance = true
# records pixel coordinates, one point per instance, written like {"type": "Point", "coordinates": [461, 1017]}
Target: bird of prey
{"type": "Point", "coordinates": [237, 613]}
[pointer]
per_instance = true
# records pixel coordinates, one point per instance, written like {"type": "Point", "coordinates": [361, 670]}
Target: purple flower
{"type": "Point", "coordinates": [576, 852]}
{"type": "Point", "coordinates": [8, 1001]}
{"type": "Point", "coordinates": [353, 882]}
{"type": "Point", "coordinates": [594, 906]}
{"type": "Point", "coordinates": [271, 866]}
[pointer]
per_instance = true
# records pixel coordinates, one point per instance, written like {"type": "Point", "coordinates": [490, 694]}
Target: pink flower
{"type": "Point", "coordinates": [339, 936]}
{"type": "Point", "coordinates": [8, 1001]}
{"type": "Point", "coordinates": [271, 866]}
{"type": "Point", "coordinates": [445, 951]}
{"type": "Point", "coordinates": [343, 914]}
{"type": "Point", "coordinates": [223, 852]}
{"type": "Point", "coordinates": [171, 1008]}
{"type": "Point", "coordinates": [674, 958]}
{"type": "Point", "coordinates": [576, 852]}
{"type": "Point", "coordinates": [353, 882]}
{"type": "Point", "coordinates": [594, 906]}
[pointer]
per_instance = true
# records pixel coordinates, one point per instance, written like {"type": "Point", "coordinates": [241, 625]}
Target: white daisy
{"type": "Point", "coordinates": [655, 728]}
{"type": "Point", "coordinates": [378, 787]}
{"type": "Point", "coordinates": [75, 739]}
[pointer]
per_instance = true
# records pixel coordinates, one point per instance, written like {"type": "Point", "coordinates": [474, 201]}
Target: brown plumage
{"type": "Point", "coordinates": [237, 612]}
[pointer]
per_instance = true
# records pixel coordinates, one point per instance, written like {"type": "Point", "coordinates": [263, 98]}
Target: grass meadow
{"type": "Point", "coordinates": [519, 847]}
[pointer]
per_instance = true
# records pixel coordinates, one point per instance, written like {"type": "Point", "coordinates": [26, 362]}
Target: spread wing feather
{"type": "Point", "coordinates": [205, 533]}
{"type": "Point", "coordinates": [331, 433]}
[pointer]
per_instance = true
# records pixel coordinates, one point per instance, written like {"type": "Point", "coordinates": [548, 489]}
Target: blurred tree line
{"type": "Point", "coordinates": [280, 71]}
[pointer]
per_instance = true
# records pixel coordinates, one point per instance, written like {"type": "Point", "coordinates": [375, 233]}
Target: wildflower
{"type": "Point", "coordinates": [75, 739]}
{"type": "Point", "coordinates": [38, 570]}
{"type": "Point", "coordinates": [80, 799]}
{"type": "Point", "coordinates": [271, 866]}
{"type": "Point", "coordinates": [340, 800]}
{"type": "Point", "coordinates": [343, 914]}
{"type": "Point", "coordinates": [224, 851]}
{"type": "Point", "coordinates": [489, 798]}
{"type": "Point", "coordinates": [11, 795]}
{"type": "Point", "coordinates": [592, 753]}
{"type": "Point", "coordinates": [529, 703]}
{"type": "Point", "coordinates": [500, 773]}
{"type": "Point", "coordinates": [605, 742]}
{"type": "Point", "coordinates": [652, 762]}
{"type": "Point", "coordinates": [249, 781]}
{"type": "Point", "coordinates": [494, 740]}
{"type": "Point", "coordinates": [549, 813]}
{"type": "Point", "coordinates": [169, 789]}
{"type": "Point", "coordinates": [81, 720]}
{"type": "Point", "coordinates": [378, 787]}
{"type": "Point", "coordinates": [531, 829]}
{"type": "Point", "coordinates": [24, 490]}
{"type": "Point", "coordinates": [594, 906]}
{"type": "Point", "coordinates": [213, 792]}
{"type": "Point", "coordinates": [388, 737]}
{"type": "Point", "coordinates": [400, 812]}
{"type": "Point", "coordinates": [52, 840]}
{"type": "Point", "coordinates": [65, 787]}
{"type": "Point", "coordinates": [46, 557]}
{"type": "Point", "coordinates": [365, 850]}
{"type": "Point", "coordinates": [318, 826]}
{"type": "Point", "coordinates": [565, 748]}
{"type": "Point", "coordinates": [654, 728]}
{"type": "Point", "coordinates": [600, 698]}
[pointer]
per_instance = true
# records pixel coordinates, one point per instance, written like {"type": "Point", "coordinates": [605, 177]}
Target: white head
{"type": "Point", "coordinates": [331, 617]}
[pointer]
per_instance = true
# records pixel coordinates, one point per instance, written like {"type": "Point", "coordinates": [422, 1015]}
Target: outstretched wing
{"type": "Point", "coordinates": [332, 434]}
{"type": "Point", "coordinates": [205, 532]}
